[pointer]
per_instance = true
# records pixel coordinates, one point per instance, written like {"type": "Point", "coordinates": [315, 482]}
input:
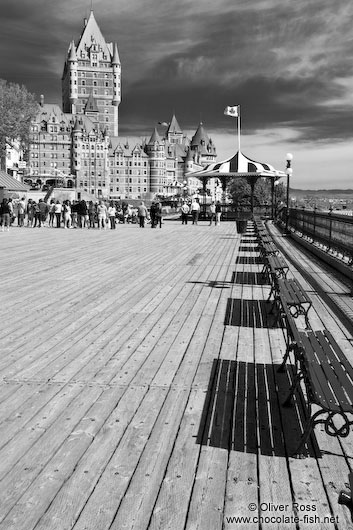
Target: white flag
{"type": "Point", "coordinates": [232, 111]}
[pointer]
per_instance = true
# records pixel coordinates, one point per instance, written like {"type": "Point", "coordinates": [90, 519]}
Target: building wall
{"type": "Point", "coordinates": [81, 145]}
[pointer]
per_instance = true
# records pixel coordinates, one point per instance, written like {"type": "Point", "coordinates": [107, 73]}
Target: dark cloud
{"type": "Point", "coordinates": [281, 61]}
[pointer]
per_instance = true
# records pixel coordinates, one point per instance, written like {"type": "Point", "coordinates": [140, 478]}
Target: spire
{"type": "Point", "coordinates": [77, 126]}
{"type": "Point", "coordinates": [72, 52]}
{"type": "Point", "coordinates": [154, 138]}
{"type": "Point", "coordinates": [200, 137]}
{"type": "Point", "coordinates": [174, 126]}
{"type": "Point", "coordinates": [116, 58]}
{"type": "Point", "coordinates": [92, 33]}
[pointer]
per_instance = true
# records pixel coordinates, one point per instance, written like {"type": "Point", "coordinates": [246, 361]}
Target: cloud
{"type": "Point", "coordinates": [287, 64]}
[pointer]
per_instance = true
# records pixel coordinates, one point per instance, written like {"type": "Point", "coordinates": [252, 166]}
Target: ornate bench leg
{"type": "Point", "coordinates": [294, 386]}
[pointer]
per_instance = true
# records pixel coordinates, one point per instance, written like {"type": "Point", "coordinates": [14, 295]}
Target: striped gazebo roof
{"type": "Point", "coordinates": [238, 165]}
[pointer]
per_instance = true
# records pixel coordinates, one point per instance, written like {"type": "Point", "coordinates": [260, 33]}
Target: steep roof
{"type": "Point", "coordinates": [116, 58]}
{"type": "Point", "coordinates": [119, 144]}
{"type": "Point", "coordinates": [174, 126]}
{"type": "Point", "coordinates": [92, 33]}
{"type": "Point", "coordinates": [155, 137]}
{"type": "Point", "coordinates": [91, 105]}
{"type": "Point", "coordinates": [49, 110]}
{"type": "Point", "coordinates": [199, 136]}
{"type": "Point", "coordinates": [11, 184]}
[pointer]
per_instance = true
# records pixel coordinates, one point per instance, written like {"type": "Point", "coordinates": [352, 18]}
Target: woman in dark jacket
{"type": "Point", "coordinates": [5, 212]}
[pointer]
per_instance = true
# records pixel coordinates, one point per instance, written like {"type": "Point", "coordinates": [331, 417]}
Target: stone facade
{"type": "Point", "coordinates": [78, 145]}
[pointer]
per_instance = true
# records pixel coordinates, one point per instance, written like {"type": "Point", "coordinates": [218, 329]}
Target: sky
{"type": "Point", "coordinates": [288, 65]}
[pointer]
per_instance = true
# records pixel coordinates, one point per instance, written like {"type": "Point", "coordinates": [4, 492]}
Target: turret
{"type": "Point", "coordinates": [116, 76]}
{"type": "Point", "coordinates": [72, 63]}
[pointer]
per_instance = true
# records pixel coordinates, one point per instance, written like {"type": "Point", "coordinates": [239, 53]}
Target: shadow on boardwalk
{"type": "Point", "coordinates": [243, 411]}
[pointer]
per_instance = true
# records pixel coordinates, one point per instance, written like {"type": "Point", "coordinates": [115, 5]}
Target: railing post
{"type": "Point", "coordinates": [314, 228]}
{"type": "Point", "coordinates": [303, 214]}
{"type": "Point", "coordinates": [330, 229]}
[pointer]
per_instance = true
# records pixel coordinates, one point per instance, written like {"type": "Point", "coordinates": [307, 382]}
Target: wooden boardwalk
{"type": "Point", "coordinates": [138, 386]}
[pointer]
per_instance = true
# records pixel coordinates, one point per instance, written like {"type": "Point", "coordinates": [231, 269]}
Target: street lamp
{"type": "Point", "coordinates": [185, 182]}
{"type": "Point", "coordinates": [289, 172]}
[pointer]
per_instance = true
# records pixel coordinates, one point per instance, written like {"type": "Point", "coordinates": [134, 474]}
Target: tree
{"type": "Point", "coordinates": [18, 107]}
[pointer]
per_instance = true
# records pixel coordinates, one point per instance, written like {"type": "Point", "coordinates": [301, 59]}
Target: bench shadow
{"type": "Point", "coordinates": [249, 278]}
{"type": "Point", "coordinates": [250, 314]}
{"type": "Point", "coordinates": [250, 248]}
{"type": "Point", "coordinates": [249, 260]}
{"type": "Point", "coordinates": [243, 411]}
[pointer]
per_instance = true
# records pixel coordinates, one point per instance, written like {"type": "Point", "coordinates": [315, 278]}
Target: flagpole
{"type": "Point", "coordinates": [239, 128]}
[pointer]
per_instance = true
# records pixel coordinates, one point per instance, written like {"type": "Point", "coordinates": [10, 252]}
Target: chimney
{"type": "Point", "coordinates": [85, 21]}
{"type": "Point", "coordinates": [41, 100]}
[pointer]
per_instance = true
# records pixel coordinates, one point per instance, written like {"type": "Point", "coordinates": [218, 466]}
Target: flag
{"type": "Point", "coordinates": [232, 111]}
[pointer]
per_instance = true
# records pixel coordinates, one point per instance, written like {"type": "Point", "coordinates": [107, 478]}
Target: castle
{"type": "Point", "coordinates": [80, 146]}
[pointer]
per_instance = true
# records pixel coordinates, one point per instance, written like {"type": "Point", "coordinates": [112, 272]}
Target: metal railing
{"type": "Point", "coordinates": [331, 230]}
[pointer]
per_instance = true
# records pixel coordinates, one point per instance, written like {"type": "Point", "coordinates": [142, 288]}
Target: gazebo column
{"type": "Point", "coordinates": [272, 198]}
{"type": "Point", "coordinates": [252, 182]}
{"type": "Point", "coordinates": [204, 184]}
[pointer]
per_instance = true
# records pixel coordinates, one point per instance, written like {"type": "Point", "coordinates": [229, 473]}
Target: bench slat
{"type": "Point", "coordinates": [330, 387]}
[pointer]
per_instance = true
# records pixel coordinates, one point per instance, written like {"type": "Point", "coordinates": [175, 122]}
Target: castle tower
{"type": "Point", "coordinates": [155, 149]}
{"type": "Point", "coordinates": [202, 147]}
{"type": "Point", "coordinates": [93, 70]}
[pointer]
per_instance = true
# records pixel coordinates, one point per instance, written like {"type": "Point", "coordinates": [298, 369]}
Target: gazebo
{"type": "Point", "coordinates": [240, 166]}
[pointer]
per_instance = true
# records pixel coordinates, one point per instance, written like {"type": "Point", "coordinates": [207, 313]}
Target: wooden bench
{"type": "Point", "coordinates": [275, 267]}
{"type": "Point", "coordinates": [290, 296]}
{"type": "Point", "coordinates": [327, 376]}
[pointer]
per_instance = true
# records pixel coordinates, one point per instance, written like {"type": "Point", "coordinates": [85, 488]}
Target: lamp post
{"type": "Point", "coordinates": [185, 189]}
{"type": "Point", "coordinates": [289, 172]}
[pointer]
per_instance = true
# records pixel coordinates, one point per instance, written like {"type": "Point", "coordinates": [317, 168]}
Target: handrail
{"type": "Point", "coordinates": [332, 230]}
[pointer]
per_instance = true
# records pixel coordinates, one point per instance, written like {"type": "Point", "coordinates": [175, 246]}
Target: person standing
{"type": "Point", "coordinates": [102, 215]}
{"type": "Point", "coordinates": [11, 208]}
{"type": "Point", "coordinates": [91, 214]}
{"type": "Point", "coordinates": [212, 213]}
{"type": "Point", "coordinates": [51, 213]}
{"type": "Point", "coordinates": [36, 214]}
{"type": "Point", "coordinates": [29, 209]}
{"type": "Point", "coordinates": [112, 214]}
{"type": "Point", "coordinates": [153, 214]}
{"type": "Point", "coordinates": [158, 214]}
{"type": "Point", "coordinates": [67, 214]}
{"type": "Point", "coordinates": [142, 214]}
{"type": "Point", "coordinates": [5, 215]}
{"type": "Point", "coordinates": [195, 210]}
{"type": "Point", "coordinates": [218, 213]}
{"type": "Point", "coordinates": [184, 213]}
{"type": "Point", "coordinates": [43, 209]}
{"type": "Point", "coordinates": [58, 212]}
{"type": "Point", "coordinates": [74, 213]}
{"type": "Point", "coordinates": [21, 212]}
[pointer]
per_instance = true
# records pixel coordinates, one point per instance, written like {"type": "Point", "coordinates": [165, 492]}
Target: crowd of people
{"type": "Point", "coordinates": [100, 215]}
{"type": "Point", "coordinates": [193, 208]}
{"type": "Point", "coordinates": [76, 214]}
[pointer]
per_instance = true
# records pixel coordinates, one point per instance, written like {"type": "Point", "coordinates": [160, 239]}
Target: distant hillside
{"type": "Point", "coordinates": [334, 193]}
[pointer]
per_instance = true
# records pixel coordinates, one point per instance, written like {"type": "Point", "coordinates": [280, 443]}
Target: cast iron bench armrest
{"type": "Point", "coordinates": [328, 379]}
{"type": "Point", "coordinates": [293, 296]}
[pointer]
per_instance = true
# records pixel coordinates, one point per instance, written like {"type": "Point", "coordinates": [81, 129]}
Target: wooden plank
{"type": "Point", "coordinates": [59, 493]}
{"type": "Point", "coordinates": [137, 505]}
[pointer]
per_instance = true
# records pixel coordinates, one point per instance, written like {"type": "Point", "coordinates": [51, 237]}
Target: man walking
{"type": "Point", "coordinates": [195, 210]}
{"type": "Point", "coordinates": [184, 213]}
